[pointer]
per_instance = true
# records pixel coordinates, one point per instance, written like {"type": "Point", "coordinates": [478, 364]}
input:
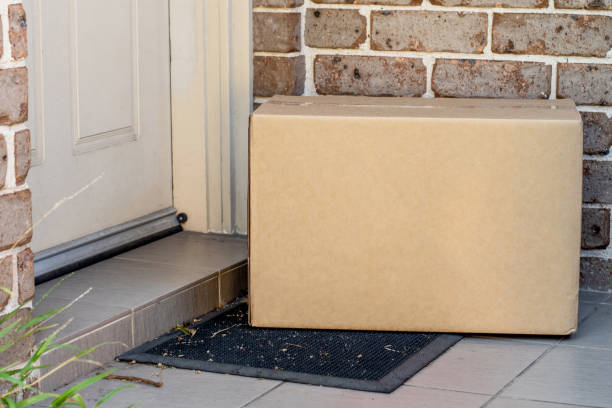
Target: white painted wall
{"type": "Point", "coordinates": [211, 103]}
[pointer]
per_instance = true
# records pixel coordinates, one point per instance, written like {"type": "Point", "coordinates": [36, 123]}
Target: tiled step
{"type": "Point", "coordinates": [140, 295]}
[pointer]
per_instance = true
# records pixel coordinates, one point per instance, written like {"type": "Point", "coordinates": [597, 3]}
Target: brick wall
{"type": "Point", "coordinates": [456, 48]}
{"type": "Point", "coordinates": [16, 259]}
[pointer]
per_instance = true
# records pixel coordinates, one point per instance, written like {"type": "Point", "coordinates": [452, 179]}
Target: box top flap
{"type": "Point", "coordinates": [455, 108]}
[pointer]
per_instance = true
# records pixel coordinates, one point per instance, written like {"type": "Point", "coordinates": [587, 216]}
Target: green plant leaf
{"type": "Point", "coordinates": [7, 329]}
{"type": "Point", "coordinates": [9, 378]}
{"type": "Point", "coordinates": [110, 394]}
{"type": "Point", "coordinates": [6, 290]}
{"type": "Point", "coordinates": [79, 402]}
{"type": "Point", "coordinates": [78, 387]}
{"type": "Point", "coordinates": [41, 318]}
{"type": "Point", "coordinates": [33, 400]}
{"type": "Point", "coordinates": [7, 316]}
{"type": "Point", "coordinates": [8, 402]}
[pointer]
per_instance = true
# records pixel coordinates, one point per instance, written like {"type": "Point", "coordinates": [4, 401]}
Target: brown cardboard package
{"type": "Point", "coordinates": [441, 215]}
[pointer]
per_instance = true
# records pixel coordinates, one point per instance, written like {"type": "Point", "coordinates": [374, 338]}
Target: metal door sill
{"type": "Point", "coordinates": [79, 253]}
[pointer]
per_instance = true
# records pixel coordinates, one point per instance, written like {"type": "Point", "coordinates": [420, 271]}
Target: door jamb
{"type": "Point", "coordinates": [211, 88]}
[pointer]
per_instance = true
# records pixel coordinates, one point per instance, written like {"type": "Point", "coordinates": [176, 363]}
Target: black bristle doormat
{"type": "Point", "coordinates": [223, 342]}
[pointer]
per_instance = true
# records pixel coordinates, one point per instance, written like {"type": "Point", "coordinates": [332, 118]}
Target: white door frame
{"type": "Point", "coordinates": [211, 71]}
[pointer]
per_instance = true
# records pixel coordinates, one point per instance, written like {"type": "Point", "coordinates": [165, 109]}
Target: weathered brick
{"type": "Point", "coordinates": [15, 218]}
{"type": "Point", "coordinates": [595, 228]}
{"type": "Point", "coordinates": [22, 155]}
{"type": "Point", "coordinates": [596, 181]}
{"type": "Point", "coordinates": [278, 75]}
{"type": "Point", "coordinates": [18, 31]}
{"type": "Point", "coordinates": [596, 273]}
{"type": "Point", "coordinates": [491, 79]}
{"type": "Point", "coordinates": [276, 32]}
{"type": "Point", "coordinates": [373, 76]}
{"type": "Point", "coordinates": [429, 31]}
{"type": "Point", "coordinates": [14, 96]}
{"type": "Point", "coordinates": [379, 2]}
{"type": "Point", "coordinates": [597, 132]}
{"type": "Point", "coordinates": [21, 350]}
{"type": "Point", "coordinates": [1, 40]}
{"type": "Point", "coordinates": [492, 3]}
{"type": "Point", "coordinates": [334, 28]}
{"type": "Point", "coordinates": [6, 279]}
{"type": "Point", "coordinates": [586, 84]}
{"type": "Point", "coordinates": [25, 268]}
{"type": "Point", "coordinates": [277, 3]}
{"type": "Point", "coordinates": [552, 34]}
{"type": "Point", "coordinates": [584, 4]}
{"type": "Point", "coordinates": [3, 160]}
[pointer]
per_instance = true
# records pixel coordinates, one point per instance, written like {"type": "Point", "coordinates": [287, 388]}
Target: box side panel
{"type": "Point", "coordinates": [415, 224]}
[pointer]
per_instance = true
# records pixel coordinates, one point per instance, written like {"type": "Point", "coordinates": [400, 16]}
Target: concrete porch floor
{"type": "Point", "coordinates": [141, 294]}
{"type": "Point", "coordinates": [495, 372]}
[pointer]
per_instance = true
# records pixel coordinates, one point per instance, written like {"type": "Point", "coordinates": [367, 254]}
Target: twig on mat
{"type": "Point", "coordinates": [222, 330]}
{"type": "Point", "coordinates": [134, 379]}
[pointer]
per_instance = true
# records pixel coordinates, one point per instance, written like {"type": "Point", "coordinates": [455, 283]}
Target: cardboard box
{"type": "Point", "coordinates": [442, 215]}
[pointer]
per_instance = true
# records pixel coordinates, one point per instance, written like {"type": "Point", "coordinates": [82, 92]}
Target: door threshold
{"type": "Point", "coordinates": [139, 295]}
{"type": "Point", "coordinates": [79, 253]}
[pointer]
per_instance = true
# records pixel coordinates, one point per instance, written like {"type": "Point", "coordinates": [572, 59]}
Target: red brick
{"type": "Point", "coordinates": [597, 132]}
{"type": "Point", "coordinates": [15, 218]}
{"type": "Point", "coordinates": [6, 279]}
{"type": "Point", "coordinates": [276, 32]}
{"type": "Point", "coordinates": [25, 270]}
{"type": "Point", "coordinates": [596, 273]}
{"type": "Point", "coordinates": [1, 41]}
{"type": "Point", "coordinates": [597, 181]}
{"type": "Point", "coordinates": [277, 3]}
{"type": "Point", "coordinates": [586, 84]}
{"type": "Point", "coordinates": [22, 348]}
{"type": "Point", "coordinates": [374, 76]}
{"type": "Point", "coordinates": [429, 31]}
{"type": "Point", "coordinates": [379, 2]}
{"type": "Point", "coordinates": [14, 96]}
{"type": "Point", "coordinates": [552, 34]}
{"type": "Point", "coordinates": [491, 79]}
{"type": "Point", "coordinates": [278, 76]}
{"type": "Point", "coordinates": [584, 4]}
{"type": "Point", "coordinates": [3, 160]}
{"type": "Point", "coordinates": [334, 28]}
{"type": "Point", "coordinates": [18, 31]}
{"type": "Point", "coordinates": [492, 3]}
{"type": "Point", "coordinates": [22, 155]}
{"type": "Point", "coordinates": [595, 228]}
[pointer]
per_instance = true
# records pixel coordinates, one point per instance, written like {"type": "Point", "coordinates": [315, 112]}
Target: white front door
{"type": "Point", "coordinates": [99, 114]}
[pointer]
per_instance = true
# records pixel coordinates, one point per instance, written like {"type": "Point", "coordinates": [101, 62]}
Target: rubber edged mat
{"type": "Point", "coordinates": [223, 342]}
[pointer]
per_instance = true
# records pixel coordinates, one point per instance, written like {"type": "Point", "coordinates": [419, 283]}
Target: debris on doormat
{"type": "Point", "coordinates": [223, 342]}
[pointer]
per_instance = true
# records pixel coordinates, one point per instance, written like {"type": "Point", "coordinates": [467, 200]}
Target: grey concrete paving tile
{"type": "Point", "coordinates": [588, 296]}
{"type": "Point", "coordinates": [233, 283]}
{"type": "Point", "coordinates": [478, 365]}
{"type": "Point", "coordinates": [567, 375]}
{"type": "Point", "coordinates": [514, 403]}
{"type": "Point", "coordinates": [595, 331]}
{"type": "Point", "coordinates": [188, 249]}
{"type": "Point", "coordinates": [584, 311]}
{"type": "Point", "coordinates": [126, 283]}
{"type": "Point", "coordinates": [85, 316]}
{"type": "Point", "coordinates": [160, 317]}
{"type": "Point", "coordinates": [305, 396]}
{"type": "Point", "coordinates": [181, 389]}
{"type": "Point", "coordinates": [113, 339]}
